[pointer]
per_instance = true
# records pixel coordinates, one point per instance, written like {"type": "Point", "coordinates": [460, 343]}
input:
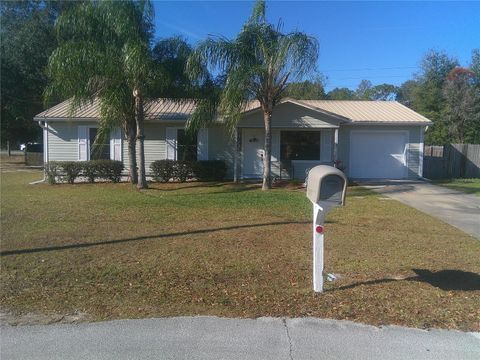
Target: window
{"type": "Point", "coordinates": [186, 146]}
{"type": "Point", "coordinates": [97, 151]}
{"type": "Point", "coordinates": [300, 145]}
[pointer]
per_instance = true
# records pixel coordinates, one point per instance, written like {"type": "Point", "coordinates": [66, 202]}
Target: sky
{"type": "Point", "coordinates": [379, 41]}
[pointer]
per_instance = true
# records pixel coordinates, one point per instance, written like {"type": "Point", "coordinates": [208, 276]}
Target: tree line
{"type": "Point", "coordinates": [105, 50]}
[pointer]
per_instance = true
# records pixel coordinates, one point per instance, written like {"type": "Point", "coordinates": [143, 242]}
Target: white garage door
{"type": "Point", "coordinates": [378, 154]}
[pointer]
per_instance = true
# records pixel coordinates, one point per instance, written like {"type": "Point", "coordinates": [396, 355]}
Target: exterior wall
{"type": "Point", "coordinates": [414, 151]}
{"type": "Point", "coordinates": [289, 115]}
{"type": "Point", "coordinates": [62, 139]}
{"type": "Point", "coordinates": [296, 168]}
{"type": "Point", "coordinates": [154, 145]}
{"type": "Point", "coordinates": [63, 142]}
{"type": "Point", "coordinates": [221, 146]}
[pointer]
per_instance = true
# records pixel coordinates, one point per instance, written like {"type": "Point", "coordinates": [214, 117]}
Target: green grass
{"type": "Point", "coordinates": [470, 186]}
{"type": "Point", "coordinates": [110, 251]}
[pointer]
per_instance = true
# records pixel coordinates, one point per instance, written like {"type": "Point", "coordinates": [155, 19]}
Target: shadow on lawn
{"type": "Point", "coordinates": [148, 237]}
{"type": "Point", "coordinates": [184, 186]}
{"type": "Point", "coordinates": [448, 280]}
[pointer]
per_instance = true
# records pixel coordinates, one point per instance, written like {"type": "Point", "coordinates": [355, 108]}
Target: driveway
{"type": "Point", "coordinates": [451, 206]}
{"type": "Point", "coordinates": [221, 338]}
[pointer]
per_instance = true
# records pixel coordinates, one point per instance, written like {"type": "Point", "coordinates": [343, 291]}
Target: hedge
{"type": "Point", "coordinates": [205, 170]}
{"type": "Point", "coordinates": [210, 170]}
{"type": "Point", "coordinates": [93, 169]}
{"type": "Point", "coordinates": [163, 170]}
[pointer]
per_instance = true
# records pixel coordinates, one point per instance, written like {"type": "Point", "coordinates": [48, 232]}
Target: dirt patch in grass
{"type": "Point", "coordinates": [110, 252]}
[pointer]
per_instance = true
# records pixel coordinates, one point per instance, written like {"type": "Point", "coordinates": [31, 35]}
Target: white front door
{"type": "Point", "coordinates": [378, 154]}
{"type": "Point", "coordinates": [253, 141]}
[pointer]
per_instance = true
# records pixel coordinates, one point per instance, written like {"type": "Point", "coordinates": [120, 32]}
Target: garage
{"type": "Point", "coordinates": [378, 154]}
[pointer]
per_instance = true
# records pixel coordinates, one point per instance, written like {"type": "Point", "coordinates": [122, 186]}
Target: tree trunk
{"type": "Point", "coordinates": [131, 133]}
{"type": "Point", "coordinates": [8, 148]}
{"type": "Point", "coordinates": [267, 157]}
{"type": "Point", "coordinates": [139, 116]}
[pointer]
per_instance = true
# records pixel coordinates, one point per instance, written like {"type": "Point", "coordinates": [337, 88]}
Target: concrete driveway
{"type": "Point", "coordinates": [453, 207]}
{"type": "Point", "coordinates": [221, 338]}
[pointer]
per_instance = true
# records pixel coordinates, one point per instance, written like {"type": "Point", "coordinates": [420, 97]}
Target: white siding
{"type": "Point", "coordinates": [221, 147]}
{"type": "Point", "coordinates": [154, 145]}
{"type": "Point", "coordinates": [290, 116]}
{"type": "Point", "coordinates": [202, 146]}
{"type": "Point", "coordinates": [63, 140]}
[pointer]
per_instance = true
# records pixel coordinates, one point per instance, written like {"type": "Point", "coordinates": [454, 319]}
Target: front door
{"type": "Point", "coordinates": [253, 141]}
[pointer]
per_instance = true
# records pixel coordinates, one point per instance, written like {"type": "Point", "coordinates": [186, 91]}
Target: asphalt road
{"type": "Point", "coordinates": [220, 338]}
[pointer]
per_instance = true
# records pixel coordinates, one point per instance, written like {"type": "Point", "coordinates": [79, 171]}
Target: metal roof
{"type": "Point", "coordinates": [155, 109]}
{"type": "Point", "coordinates": [369, 111]}
{"type": "Point", "coordinates": [387, 112]}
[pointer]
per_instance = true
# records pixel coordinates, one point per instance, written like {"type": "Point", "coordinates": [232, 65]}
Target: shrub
{"type": "Point", "coordinates": [210, 170]}
{"type": "Point", "coordinates": [163, 170]}
{"type": "Point", "coordinates": [51, 171]}
{"type": "Point", "coordinates": [183, 170]}
{"type": "Point", "coordinates": [90, 170]}
{"type": "Point", "coordinates": [72, 169]}
{"type": "Point", "coordinates": [108, 169]}
{"type": "Point", "coordinates": [205, 170]}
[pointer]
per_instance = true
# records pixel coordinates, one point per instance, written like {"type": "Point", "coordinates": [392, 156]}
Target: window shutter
{"type": "Point", "coordinates": [171, 140]}
{"type": "Point", "coordinates": [116, 144]}
{"type": "Point", "coordinates": [82, 143]}
{"type": "Point", "coordinates": [202, 144]}
{"type": "Point", "coordinates": [326, 145]}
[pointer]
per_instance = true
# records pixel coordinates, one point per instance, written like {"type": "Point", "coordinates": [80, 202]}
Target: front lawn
{"type": "Point", "coordinates": [109, 251]}
{"type": "Point", "coordinates": [470, 186]}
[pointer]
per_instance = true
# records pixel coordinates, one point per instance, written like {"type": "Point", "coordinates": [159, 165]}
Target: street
{"type": "Point", "coordinates": [221, 338]}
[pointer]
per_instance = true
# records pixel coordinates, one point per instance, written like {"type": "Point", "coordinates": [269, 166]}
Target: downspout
{"type": "Point", "coordinates": [45, 149]}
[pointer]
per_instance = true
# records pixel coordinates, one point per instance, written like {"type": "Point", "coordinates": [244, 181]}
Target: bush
{"type": "Point", "coordinates": [90, 170]}
{"type": "Point", "coordinates": [93, 169]}
{"type": "Point", "coordinates": [163, 170]}
{"type": "Point", "coordinates": [205, 170]}
{"type": "Point", "coordinates": [210, 170]}
{"type": "Point", "coordinates": [72, 169]}
{"type": "Point", "coordinates": [51, 171]}
{"type": "Point", "coordinates": [108, 169]}
{"type": "Point", "coordinates": [183, 170]}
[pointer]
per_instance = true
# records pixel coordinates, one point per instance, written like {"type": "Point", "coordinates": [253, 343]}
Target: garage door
{"type": "Point", "coordinates": [378, 155]}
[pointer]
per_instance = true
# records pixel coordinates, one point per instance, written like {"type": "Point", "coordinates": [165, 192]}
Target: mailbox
{"type": "Point", "coordinates": [326, 186]}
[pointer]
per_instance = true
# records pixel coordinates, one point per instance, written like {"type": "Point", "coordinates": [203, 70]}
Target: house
{"type": "Point", "coordinates": [370, 139]}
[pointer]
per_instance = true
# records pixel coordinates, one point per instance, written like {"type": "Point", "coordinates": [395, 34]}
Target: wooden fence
{"type": "Point", "coordinates": [451, 161]}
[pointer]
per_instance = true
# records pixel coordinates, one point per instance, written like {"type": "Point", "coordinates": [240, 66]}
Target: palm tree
{"type": "Point", "coordinates": [257, 65]}
{"type": "Point", "coordinates": [104, 53]}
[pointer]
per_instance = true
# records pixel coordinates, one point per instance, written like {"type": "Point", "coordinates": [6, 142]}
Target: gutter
{"type": "Point", "coordinates": [45, 152]}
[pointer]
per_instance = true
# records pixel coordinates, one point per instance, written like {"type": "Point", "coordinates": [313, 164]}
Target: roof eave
{"type": "Point", "coordinates": [148, 119]}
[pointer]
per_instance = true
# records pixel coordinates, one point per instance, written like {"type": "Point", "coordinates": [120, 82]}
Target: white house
{"type": "Point", "coordinates": [371, 139]}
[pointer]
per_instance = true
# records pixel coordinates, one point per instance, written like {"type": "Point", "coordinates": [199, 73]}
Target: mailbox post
{"type": "Point", "coordinates": [326, 188]}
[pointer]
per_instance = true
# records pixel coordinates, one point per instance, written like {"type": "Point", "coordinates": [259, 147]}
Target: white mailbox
{"type": "Point", "coordinates": [326, 188]}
